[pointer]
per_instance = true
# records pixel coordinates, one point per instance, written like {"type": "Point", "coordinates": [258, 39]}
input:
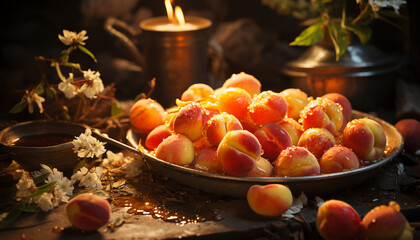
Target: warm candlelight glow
{"type": "Point", "coordinates": [169, 11]}
{"type": "Point", "coordinates": [179, 15]}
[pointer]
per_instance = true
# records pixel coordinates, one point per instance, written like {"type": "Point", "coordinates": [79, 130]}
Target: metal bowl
{"type": "Point", "coordinates": [312, 185]}
{"type": "Point", "coordinates": [60, 156]}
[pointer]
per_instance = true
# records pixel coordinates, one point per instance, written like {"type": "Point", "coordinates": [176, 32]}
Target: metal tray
{"type": "Point", "coordinates": [311, 185]}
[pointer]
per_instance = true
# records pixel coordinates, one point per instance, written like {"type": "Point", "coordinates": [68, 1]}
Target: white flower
{"type": "Point", "coordinates": [44, 170]}
{"type": "Point", "coordinates": [45, 202]}
{"type": "Point", "coordinates": [55, 175]}
{"type": "Point", "coordinates": [133, 166]}
{"type": "Point", "coordinates": [297, 206]}
{"type": "Point", "coordinates": [94, 84]}
{"type": "Point", "coordinates": [59, 196]}
{"type": "Point", "coordinates": [87, 146]}
{"type": "Point", "coordinates": [34, 98]}
{"type": "Point", "coordinates": [114, 159]}
{"type": "Point", "coordinates": [378, 4]}
{"type": "Point", "coordinates": [65, 185]}
{"type": "Point", "coordinates": [73, 38]}
{"type": "Point", "coordinates": [67, 87]}
{"type": "Point", "coordinates": [24, 185]}
{"type": "Point", "coordinates": [319, 201]}
{"type": "Point", "coordinates": [79, 175]}
{"type": "Point", "coordinates": [91, 181]}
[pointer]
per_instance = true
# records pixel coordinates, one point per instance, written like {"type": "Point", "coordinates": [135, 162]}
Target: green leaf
{"type": "Point", "coordinates": [363, 32]}
{"type": "Point", "coordinates": [41, 190]}
{"type": "Point", "coordinates": [19, 107]}
{"type": "Point", "coordinates": [79, 165]}
{"type": "Point", "coordinates": [339, 37]}
{"type": "Point", "coordinates": [12, 216]}
{"type": "Point", "coordinates": [139, 96]}
{"type": "Point", "coordinates": [116, 109]}
{"type": "Point", "coordinates": [39, 89]}
{"type": "Point", "coordinates": [41, 178]}
{"type": "Point", "coordinates": [51, 93]}
{"type": "Point", "coordinates": [85, 50]}
{"type": "Point", "coordinates": [309, 36]}
{"type": "Point", "coordinates": [29, 208]}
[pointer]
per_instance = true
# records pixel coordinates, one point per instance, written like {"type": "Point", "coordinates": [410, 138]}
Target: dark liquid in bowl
{"type": "Point", "coordinates": [43, 140]}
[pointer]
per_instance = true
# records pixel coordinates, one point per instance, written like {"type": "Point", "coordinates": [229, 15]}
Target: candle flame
{"type": "Point", "coordinates": [170, 11]}
{"type": "Point", "coordinates": [178, 18]}
{"type": "Point", "coordinates": [179, 15]}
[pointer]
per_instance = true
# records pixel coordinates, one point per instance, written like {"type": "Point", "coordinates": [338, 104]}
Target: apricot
{"type": "Point", "coordinates": [191, 121]}
{"type": "Point", "coordinates": [245, 81]}
{"type": "Point", "coordinates": [385, 222]}
{"type": "Point", "coordinates": [156, 136]}
{"type": "Point", "coordinates": [176, 149]}
{"type": "Point", "coordinates": [267, 107]}
{"type": "Point", "coordinates": [146, 114]}
{"type": "Point", "coordinates": [344, 103]}
{"type": "Point", "coordinates": [88, 211]}
{"type": "Point", "coordinates": [219, 125]}
{"type": "Point", "coordinates": [273, 139]}
{"type": "Point", "coordinates": [263, 168]}
{"type": "Point", "coordinates": [197, 91]}
{"type": "Point", "coordinates": [317, 141]}
{"type": "Point", "coordinates": [292, 127]}
{"type": "Point", "coordinates": [366, 138]}
{"type": "Point", "coordinates": [338, 220]}
{"type": "Point", "coordinates": [206, 160]}
{"type": "Point", "coordinates": [238, 151]}
{"type": "Point", "coordinates": [295, 162]}
{"type": "Point", "coordinates": [322, 113]}
{"type": "Point", "coordinates": [234, 101]}
{"type": "Point", "coordinates": [296, 101]}
{"type": "Point", "coordinates": [338, 159]}
{"type": "Point", "coordinates": [410, 130]}
{"type": "Point", "coordinates": [269, 200]}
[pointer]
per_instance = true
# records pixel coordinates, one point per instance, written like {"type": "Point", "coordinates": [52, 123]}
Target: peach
{"type": "Point", "coordinates": [88, 211]}
{"type": "Point", "coordinates": [191, 121]}
{"type": "Point", "coordinates": [234, 101]}
{"type": "Point", "coordinates": [338, 159]}
{"type": "Point", "coordinates": [338, 220]}
{"type": "Point", "coordinates": [385, 222]}
{"type": "Point", "coordinates": [322, 113]}
{"type": "Point", "coordinates": [176, 149]}
{"type": "Point", "coordinates": [292, 127]}
{"type": "Point", "coordinates": [267, 107]}
{"type": "Point", "coordinates": [269, 200]}
{"type": "Point", "coordinates": [366, 138]}
{"type": "Point", "coordinates": [146, 114]}
{"type": "Point", "coordinates": [273, 139]}
{"type": "Point", "coordinates": [295, 162]}
{"type": "Point", "coordinates": [197, 91]}
{"type": "Point", "coordinates": [219, 125]}
{"type": "Point", "coordinates": [206, 160]}
{"type": "Point", "coordinates": [245, 81]}
{"type": "Point", "coordinates": [238, 151]}
{"type": "Point", "coordinates": [296, 101]}
{"type": "Point", "coordinates": [410, 130]}
{"type": "Point", "coordinates": [156, 136]}
{"type": "Point", "coordinates": [344, 103]}
{"type": "Point", "coordinates": [263, 168]}
{"type": "Point", "coordinates": [317, 141]}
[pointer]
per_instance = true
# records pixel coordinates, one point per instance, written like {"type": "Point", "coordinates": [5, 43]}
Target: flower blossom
{"type": "Point", "coordinates": [67, 87]}
{"type": "Point", "coordinates": [45, 202]}
{"type": "Point", "coordinates": [73, 38]}
{"type": "Point", "coordinates": [34, 98]}
{"type": "Point", "coordinates": [92, 180]}
{"type": "Point", "coordinates": [24, 185]}
{"type": "Point", "coordinates": [93, 84]}
{"type": "Point", "coordinates": [378, 4]}
{"type": "Point", "coordinates": [87, 146]}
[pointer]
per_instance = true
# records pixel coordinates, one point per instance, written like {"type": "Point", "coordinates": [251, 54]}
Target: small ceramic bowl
{"type": "Point", "coordinates": [21, 141]}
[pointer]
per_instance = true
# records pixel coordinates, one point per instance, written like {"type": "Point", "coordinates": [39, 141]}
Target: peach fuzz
{"type": "Point", "coordinates": [385, 222]}
{"type": "Point", "coordinates": [338, 159]}
{"type": "Point", "coordinates": [322, 113]}
{"type": "Point", "coordinates": [206, 160]}
{"type": "Point", "coordinates": [296, 162]}
{"type": "Point", "coordinates": [234, 101]}
{"type": "Point", "coordinates": [294, 129]}
{"type": "Point", "coordinates": [338, 220]}
{"type": "Point", "coordinates": [317, 141]}
{"type": "Point", "coordinates": [88, 211]}
{"type": "Point", "coordinates": [219, 125]}
{"type": "Point", "coordinates": [191, 121]}
{"type": "Point", "coordinates": [344, 103]}
{"type": "Point", "coordinates": [156, 136]}
{"type": "Point", "coordinates": [366, 138]}
{"type": "Point", "coordinates": [238, 151]}
{"type": "Point", "coordinates": [197, 91]}
{"type": "Point", "coordinates": [410, 130]}
{"type": "Point", "coordinates": [146, 114]}
{"type": "Point", "coordinates": [263, 168]}
{"type": "Point", "coordinates": [296, 101]}
{"type": "Point", "coordinates": [269, 200]}
{"type": "Point", "coordinates": [273, 139]}
{"type": "Point", "coordinates": [176, 149]}
{"type": "Point", "coordinates": [245, 81]}
{"type": "Point", "coordinates": [267, 107]}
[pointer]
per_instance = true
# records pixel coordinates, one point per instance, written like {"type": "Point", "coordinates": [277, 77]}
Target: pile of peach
{"type": "Point", "coordinates": [241, 131]}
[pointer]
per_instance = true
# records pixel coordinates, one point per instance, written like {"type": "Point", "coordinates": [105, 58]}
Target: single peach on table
{"type": "Point", "coordinates": [176, 149]}
{"type": "Point", "coordinates": [267, 107]}
{"type": "Point", "coordinates": [238, 152]}
{"type": "Point", "coordinates": [322, 113]}
{"type": "Point", "coordinates": [296, 101]}
{"type": "Point", "coordinates": [156, 136]}
{"type": "Point", "coordinates": [197, 91]}
{"type": "Point", "coordinates": [410, 130]}
{"type": "Point", "coordinates": [206, 160]}
{"type": "Point", "coordinates": [191, 121]}
{"type": "Point", "coordinates": [219, 125]}
{"type": "Point", "coordinates": [337, 220]}
{"type": "Point", "coordinates": [263, 168]}
{"type": "Point", "coordinates": [296, 162]}
{"type": "Point", "coordinates": [146, 114]}
{"type": "Point", "coordinates": [88, 211]}
{"type": "Point", "coordinates": [366, 138]}
{"type": "Point", "coordinates": [269, 200]}
{"type": "Point", "coordinates": [273, 139]}
{"type": "Point", "coordinates": [245, 81]}
{"type": "Point", "coordinates": [338, 159]}
{"type": "Point", "coordinates": [344, 103]}
{"type": "Point", "coordinates": [385, 222]}
{"type": "Point", "coordinates": [317, 141]}
{"type": "Point", "coordinates": [292, 127]}
{"type": "Point", "coordinates": [234, 101]}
